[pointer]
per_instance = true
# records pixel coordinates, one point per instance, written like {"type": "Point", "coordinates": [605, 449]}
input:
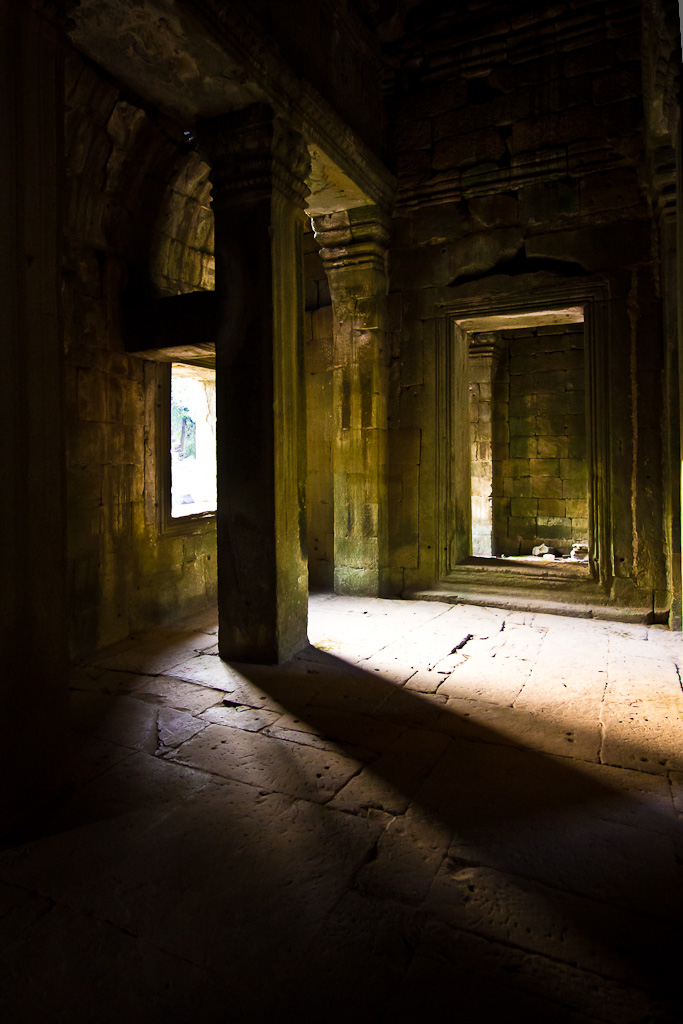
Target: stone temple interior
{"type": "Point", "coordinates": [314, 312]}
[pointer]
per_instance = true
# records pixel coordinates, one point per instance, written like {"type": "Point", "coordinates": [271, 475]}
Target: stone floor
{"type": "Point", "coordinates": [438, 812]}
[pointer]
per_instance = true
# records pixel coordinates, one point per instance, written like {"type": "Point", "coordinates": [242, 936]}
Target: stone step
{"type": "Point", "coordinates": [576, 603]}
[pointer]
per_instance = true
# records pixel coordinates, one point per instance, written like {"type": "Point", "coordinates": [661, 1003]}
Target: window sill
{"type": "Point", "coordinates": [200, 522]}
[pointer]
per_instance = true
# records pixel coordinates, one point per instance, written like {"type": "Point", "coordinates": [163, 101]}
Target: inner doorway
{"type": "Point", "coordinates": [528, 304]}
{"type": "Point", "coordinates": [528, 439]}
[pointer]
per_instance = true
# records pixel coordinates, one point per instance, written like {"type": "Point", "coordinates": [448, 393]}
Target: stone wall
{"type": "Point", "coordinates": [517, 142]}
{"type": "Point", "coordinates": [491, 101]}
{"type": "Point", "coordinates": [540, 477]}
{"type": "Point", "coordinates": [517, 139]}
{"type": "Point", "coordinates": [137, 213]}
{"type": "Point", "coordinates": [328, 45]}
{"type": "Point", "coordinates": [181, 241]}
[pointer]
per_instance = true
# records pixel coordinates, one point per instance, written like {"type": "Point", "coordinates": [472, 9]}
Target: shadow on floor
{"type": "Point", "coordinates": [551, 840]}
{"type": "Point", "coordinates": [454, 876]}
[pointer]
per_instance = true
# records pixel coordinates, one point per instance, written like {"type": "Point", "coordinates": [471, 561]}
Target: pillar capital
{"type": "Point", "coordinates": [486, 345]}
{"type": "Point", "coordinates": [254, 153]}
{"type": "Point", "coordinates": [352, 238]}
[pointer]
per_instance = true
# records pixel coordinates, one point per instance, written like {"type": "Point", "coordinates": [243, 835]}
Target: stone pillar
{"type": "Point", "coordinates": [35, 625]}
{"type": "Point", "coordinates": [677, 317]}
{"type": "Point", "coordinates": [669, 278]}
{"type": "Point", "coordinates": [353, 248]}
{"type": "Point", "coordinates": [484, 354]}
{"type": "Point", "coordinates": [258, 167]}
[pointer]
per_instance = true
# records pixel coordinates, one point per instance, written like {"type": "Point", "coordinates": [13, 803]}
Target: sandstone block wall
{"type": "Point", "coordinates": [540, 476]}
{"type": "Point", "coordinates": [127, 181]}
{"type": "Point", "coordinates": [518, 145]}
{"type": "Point", "coordinates": [182, 238]}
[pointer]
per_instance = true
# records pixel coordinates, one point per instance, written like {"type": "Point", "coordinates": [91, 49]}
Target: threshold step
{"type": "Point", "coordinates": [524, 601]}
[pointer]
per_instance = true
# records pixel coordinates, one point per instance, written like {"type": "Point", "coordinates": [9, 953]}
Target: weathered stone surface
{"type": "Point", "coordinates": [157, 652]}
{"type": "Point", "coordinates": [593, 248]}
{"type": "Point", "coordinates": [241, 717]}
{"type": "Point", "coordinates": [165, 690]}
{"type": "Point", "coordinates": [113, 955]}
{"type": "Point", "coordinates": [443, 222]}
{"type": "Point", "coordinates": [297, 770]}
{"type": "Point", "coordinates": [132, 724]}
{"type": "Point", "coordinates": [643, 737]}
{"type": "Point", "coordinates": [462, 895]}
{"type": "Point", "coordinates": [537, 169]}
{"type": "Point", "coordinates": [409, 853]}
{"type": "Point", "coordinates": [589, 59]}
{"type": "Point", "coordinates": [354, 262]}
{"type": "Point", "coordinates": [548, 202]}
{"type": "Point", "coordinates": [615, 86]}
{"type": "Point", "coordinates": [495, 211]}
{"type": "Point", "coordinates": [461, 151]}
{"type": "Point", "coordinates": [174, 727]}
{"type": "Point", "coordinates": [475, 822]}
{"type": "Point", "coordinates": [553, 129]}
{"type": "Point", "coordinates": [616, 190]}
{"type": "Point", "coordinates": [483, 251]}
{"type": "Point", "coordinates": [549, 727]}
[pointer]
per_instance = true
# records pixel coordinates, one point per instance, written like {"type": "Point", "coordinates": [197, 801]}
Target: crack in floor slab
{"type": "Point", "coordinates": [463, 642]}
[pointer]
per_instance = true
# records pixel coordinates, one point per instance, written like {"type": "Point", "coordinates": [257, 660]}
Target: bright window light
{"type": "Point", "coordinates": [193, 440]}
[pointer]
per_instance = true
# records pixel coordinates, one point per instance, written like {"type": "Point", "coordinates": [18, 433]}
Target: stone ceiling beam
{"type": "Point", "coordinates": [198, 60]}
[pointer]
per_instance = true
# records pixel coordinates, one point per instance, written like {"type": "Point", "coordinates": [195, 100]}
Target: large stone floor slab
{"type": "Point", "coordinates": [434, 812]}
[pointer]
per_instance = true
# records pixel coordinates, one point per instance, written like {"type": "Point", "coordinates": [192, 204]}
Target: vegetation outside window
{"type": "Point", "coordinates": [193, 440]}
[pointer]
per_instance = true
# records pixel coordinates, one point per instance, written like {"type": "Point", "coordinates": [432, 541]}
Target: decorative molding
{"type": "Point", "coordinates": [471, 45]}
{"type": "Point", "coordinates": [353, 238]}
{"type": "Point", "coordinates": [531, 168]}
{"type": "Point", "coordinates": [486, 345]}
{"type": "Point", "coordinates": [252, 151]}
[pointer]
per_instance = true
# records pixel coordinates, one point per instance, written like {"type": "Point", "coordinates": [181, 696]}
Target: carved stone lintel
{"type": "Point", "coordinates": [253, 152]}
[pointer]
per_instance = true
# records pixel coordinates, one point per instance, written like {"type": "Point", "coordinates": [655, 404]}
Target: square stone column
{"type": "Point", "coordinates": [353, 248]}
{"type": "Point", "coordinates": [484, 355]}
{"type": "Point", "coordinates": [258, 167]}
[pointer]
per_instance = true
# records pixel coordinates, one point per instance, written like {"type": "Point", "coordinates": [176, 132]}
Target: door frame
{"type": "Point", "coordinates": [454, 321]}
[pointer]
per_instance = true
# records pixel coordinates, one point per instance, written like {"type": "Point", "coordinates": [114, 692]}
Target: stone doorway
{"type": "Point", "coordinates": [523, 441]}
{"type": "Point", "coordinates": [529, 466]}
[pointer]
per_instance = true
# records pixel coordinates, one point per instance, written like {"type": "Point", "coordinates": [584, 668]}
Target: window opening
{"type": "Point", "coordinates": [193, 440]}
